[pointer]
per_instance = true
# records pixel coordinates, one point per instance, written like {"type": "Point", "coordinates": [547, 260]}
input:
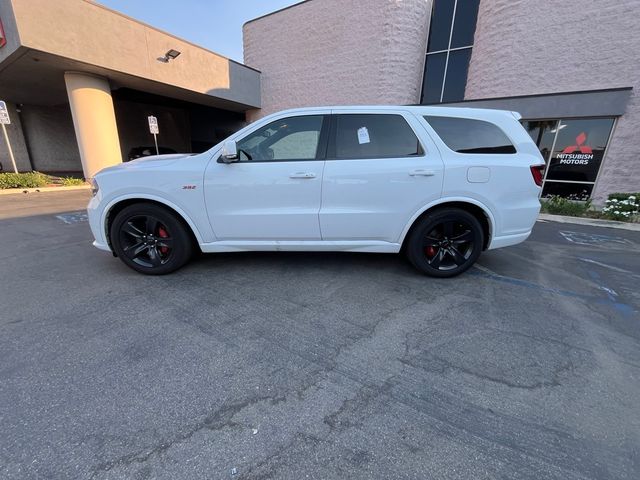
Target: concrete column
{"type": "Point", "coordinates": [94, 121]}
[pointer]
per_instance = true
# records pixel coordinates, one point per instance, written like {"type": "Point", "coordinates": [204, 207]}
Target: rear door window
{"type": "Point", "coordinates": [467, 135]}
{"type": "Point", "coordinates": [373, 136]}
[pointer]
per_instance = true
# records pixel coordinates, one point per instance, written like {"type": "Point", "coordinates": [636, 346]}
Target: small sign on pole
{"type": "Point", "coordinates": [155, 130]}
{"type": "Point", "coordinates": [5, 120]}
{"type": "Point", "coordinates": [4, 114]}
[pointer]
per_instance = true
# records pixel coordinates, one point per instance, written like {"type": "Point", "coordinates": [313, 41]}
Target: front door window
{"type": "Point", "coordinates": [293, 138]}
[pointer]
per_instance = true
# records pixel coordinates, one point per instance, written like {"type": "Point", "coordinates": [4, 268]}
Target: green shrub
{"type": "Point", "coordinates": [70, 181]}
{"type": "Point", "coordinates": [622, 206]}
{"type": "Point", "coordinates": [23, 180]}
{"type": "Point", "coordinates": [561, 206]}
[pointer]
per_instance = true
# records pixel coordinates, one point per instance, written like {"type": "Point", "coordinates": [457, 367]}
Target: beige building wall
{"type": "Point", "coordinates": [14, 130]}
{"type": "Point", "coordinates": [52, 141]}
{"type": "Point", "coordinates": [332, 52]}
{"type": "Point", "coordinates": [524, 48]}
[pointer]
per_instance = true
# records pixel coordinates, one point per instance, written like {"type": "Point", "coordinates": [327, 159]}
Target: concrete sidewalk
{"type": "Point", "coordinates": [23, 191]}
{"type": "Point", "coordinates": [593, 222]}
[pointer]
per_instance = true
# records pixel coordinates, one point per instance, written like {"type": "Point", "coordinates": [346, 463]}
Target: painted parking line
{"type": "Point", "coordinates": [610, 267]}
{"type": "Point", "coordinates": [611, 300]}
{"type": "Point", "coordinates": [73, 217]}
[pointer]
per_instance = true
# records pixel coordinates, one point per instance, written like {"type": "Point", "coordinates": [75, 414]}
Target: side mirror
{"type": "Point", "coordinates": [229, 152]}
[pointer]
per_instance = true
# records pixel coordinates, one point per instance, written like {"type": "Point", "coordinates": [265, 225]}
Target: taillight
{"type": "Point", "coordinates": [538, 173]}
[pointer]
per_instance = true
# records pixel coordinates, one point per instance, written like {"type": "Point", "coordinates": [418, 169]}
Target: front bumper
{"type": "Point", "coordinates": [101, 246]}
{"type": "Point", "coordinates": [95, 215]}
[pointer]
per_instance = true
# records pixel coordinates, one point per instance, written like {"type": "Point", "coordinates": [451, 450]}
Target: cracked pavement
{"type": "Point", "coordinates": [316, 365]}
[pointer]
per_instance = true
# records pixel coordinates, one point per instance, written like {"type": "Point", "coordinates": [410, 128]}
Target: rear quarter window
{"type": "Point", "coordinates": [467, 135]}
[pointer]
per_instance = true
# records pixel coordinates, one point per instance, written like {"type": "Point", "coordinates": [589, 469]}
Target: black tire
{"type": "Point", "coordinates": [150, 239]}
{"type": "Point", "coordinates": [445, 243]}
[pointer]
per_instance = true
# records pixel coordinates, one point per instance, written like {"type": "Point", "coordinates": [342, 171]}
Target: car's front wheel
{"type": "Point", "coordinates": [445, 243]}
{"type": "Point", "coordinates": [150, 239]}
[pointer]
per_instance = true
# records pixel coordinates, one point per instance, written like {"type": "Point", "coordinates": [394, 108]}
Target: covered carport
{"type": "Point", "coordinates": [80, 81]}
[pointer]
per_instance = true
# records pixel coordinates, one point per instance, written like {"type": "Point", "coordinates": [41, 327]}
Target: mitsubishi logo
{"type": "Point", "coordinates": [3, 39]}
{"type": "Point", "coordinates": [580, 139]}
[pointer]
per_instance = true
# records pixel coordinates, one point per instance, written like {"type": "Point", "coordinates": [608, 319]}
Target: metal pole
{"type": "Point", "coordinates": [155, 139]}
{"type": "Point", "coordinates": [6, 138]}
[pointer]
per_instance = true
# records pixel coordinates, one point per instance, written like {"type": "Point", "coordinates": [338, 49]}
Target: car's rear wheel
{"type": "Point", "coordinates": [150, 239]}
{"type": "Point", "coordinates": [445, 242]}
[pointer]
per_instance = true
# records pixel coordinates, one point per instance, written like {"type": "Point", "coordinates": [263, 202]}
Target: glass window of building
{"type": "Point", "coordinates": [451, 31]}
{"type": "Point", "coordinates": [573, 150]}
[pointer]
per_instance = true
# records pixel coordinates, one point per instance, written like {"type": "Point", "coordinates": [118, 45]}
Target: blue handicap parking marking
{"type": "Point", "coordinates": [73, 217]}
{"type": "Point", "coordinates": [592, 239]}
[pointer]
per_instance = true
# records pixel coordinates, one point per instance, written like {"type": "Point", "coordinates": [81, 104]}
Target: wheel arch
{"type": "Point", "coordinates": [475, 208]}
{"type": "Point", "coordinates": [117, 205]}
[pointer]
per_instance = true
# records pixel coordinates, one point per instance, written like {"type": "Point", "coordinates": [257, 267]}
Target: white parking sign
{"type": "Point", "coordinates": [5, 120]}
{"type": "Point", "coordinates": [153, 128]}
{"type": "Point", "coordinates": [153, 125]}
{"type": "Point", "coordinates": [4, 114]}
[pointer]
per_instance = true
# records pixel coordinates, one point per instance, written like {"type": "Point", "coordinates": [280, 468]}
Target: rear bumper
{"type": "Point", "coordinates": [507, 240]}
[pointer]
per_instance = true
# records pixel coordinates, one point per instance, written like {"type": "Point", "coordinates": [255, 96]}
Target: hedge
{"type": "Point", "coordinates": [23, 180]}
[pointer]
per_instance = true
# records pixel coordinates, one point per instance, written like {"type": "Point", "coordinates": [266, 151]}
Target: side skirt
{"type": "Point", "coordinates": [373, 246]}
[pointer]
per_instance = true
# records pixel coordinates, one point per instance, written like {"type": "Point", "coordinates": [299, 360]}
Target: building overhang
{"type": "Point", "coordinates": [590, 103]}
{"type": "Point", "coordinates": [92, 39]}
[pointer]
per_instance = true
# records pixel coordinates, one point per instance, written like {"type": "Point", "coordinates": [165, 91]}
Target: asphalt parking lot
{"type": "Point", "coordinates": [290, 366]}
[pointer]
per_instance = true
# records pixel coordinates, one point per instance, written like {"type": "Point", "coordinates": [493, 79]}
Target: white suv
{"type": "Point", "coordinates": [440, 184]}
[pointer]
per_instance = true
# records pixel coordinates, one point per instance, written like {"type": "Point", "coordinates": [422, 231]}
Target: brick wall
{"type": "Point", "coordinates": [524, 47]}
{"type": "Point", "coordinates": [332, 52]}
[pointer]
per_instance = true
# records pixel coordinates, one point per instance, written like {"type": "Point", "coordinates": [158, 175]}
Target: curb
{"type": "Point", "coordinates": [17, 191]}
{"type": "Point", "coordinates": [593, 222]}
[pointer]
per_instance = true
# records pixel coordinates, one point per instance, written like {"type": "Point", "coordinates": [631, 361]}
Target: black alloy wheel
{"type": "Point", "coordinates": [445, 243]}
{"type": "Point", "coordinates": [146, 241]}
{"type": "Point", "coordinates": [150, 239]}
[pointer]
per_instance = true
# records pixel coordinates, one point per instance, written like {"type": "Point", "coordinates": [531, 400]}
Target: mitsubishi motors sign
{"type": "Point", "coordinates": [578, 154]}
{"type": "Point", "coordinates": [575, 158]}
{"type": "Point", "coordinates": [579, 149]}
{"type": "Point", "coordinates": [3, 39]}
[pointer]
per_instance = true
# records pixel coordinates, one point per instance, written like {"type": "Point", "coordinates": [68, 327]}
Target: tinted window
{"type": "Point", "coordinates": [456, 80]}
{"type": "Point", "coordinates": [293, 138]}
{"type": "Point", "coordinates": [464, 26]}
{"type": "Point", "coordinates": [374, 136]}
{"type": "Point", "coordinates": [433, 77]}
{"type": "Point", "coordinates": [440, 28]}
{"type": "Point", "coordinates": [543, 133]}
{"type": "Point", "coordinates": [465, 135]}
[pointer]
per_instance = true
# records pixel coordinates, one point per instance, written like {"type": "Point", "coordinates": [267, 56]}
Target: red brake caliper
{"type": "Point", "coordinates": [430, 251]}
{"type": "Point", "coordinates": [163, 234]}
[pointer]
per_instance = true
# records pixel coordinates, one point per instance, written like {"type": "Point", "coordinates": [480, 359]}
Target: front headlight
{"type": "Point", "coordinates": [94, 187]}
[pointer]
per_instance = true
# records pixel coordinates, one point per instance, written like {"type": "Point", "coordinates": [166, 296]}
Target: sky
{"type": "Point", "coordinates": [213, 24]}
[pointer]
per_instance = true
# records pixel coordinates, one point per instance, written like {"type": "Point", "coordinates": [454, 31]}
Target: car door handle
{"type": "Point", "coordinates": [422, 173]}
{"type": "Point", "coordinates": [302, 175]}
